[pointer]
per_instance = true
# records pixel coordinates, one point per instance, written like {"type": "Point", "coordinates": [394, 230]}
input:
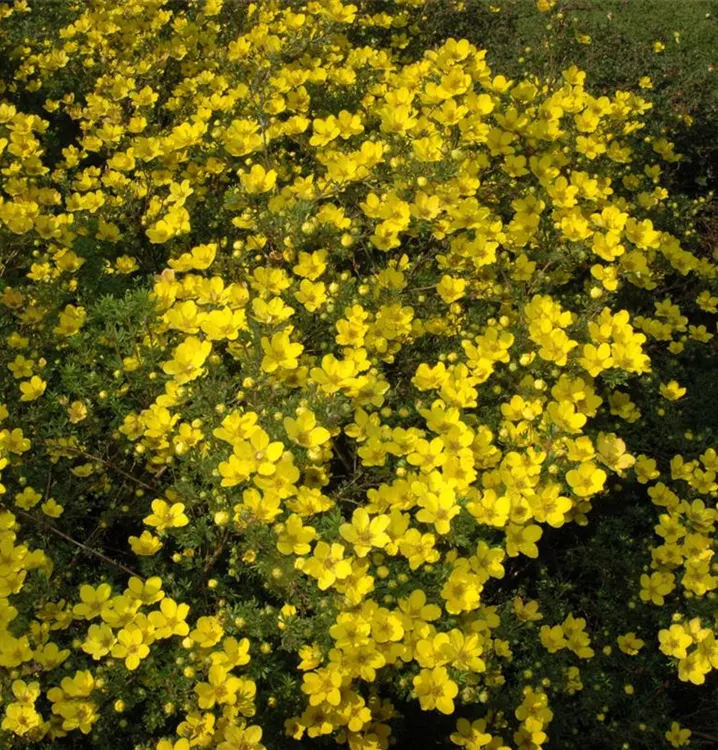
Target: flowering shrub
{"type": "Point", "coordinates": [318, 351]}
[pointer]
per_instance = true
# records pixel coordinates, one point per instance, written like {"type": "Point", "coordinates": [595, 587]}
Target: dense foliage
{"type": "Point", "coordinates": [345, 380]}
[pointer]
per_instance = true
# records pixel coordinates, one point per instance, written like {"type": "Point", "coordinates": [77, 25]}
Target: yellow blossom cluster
{"type": "Point", "coordinates": [331, 344]}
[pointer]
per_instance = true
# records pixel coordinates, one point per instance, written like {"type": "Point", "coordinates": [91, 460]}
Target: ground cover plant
{"type": "Point", "coordinates": [357, 376]}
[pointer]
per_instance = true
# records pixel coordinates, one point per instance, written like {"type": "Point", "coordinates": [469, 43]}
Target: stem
{"type": "Point", "coordinates": [342, 490]}
{"type": "Point", "coordinates": [422, 288]}
{"type": "Point", "coordinates": [343, 459]}
{"type": "Point", "coordinates": [216, 555]}
{"type": "Point", "coordinates": [117, 469]}
{"type": "Point", "coordinates": [78, 554]}
{"type": "Point", "coordinates": [67, 538]}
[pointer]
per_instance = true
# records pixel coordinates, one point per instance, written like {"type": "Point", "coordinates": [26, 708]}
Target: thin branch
{"type": "Point", "coordinates": [422, 288]}
{"type": "Point", "coordinates": [67, 538]}
{"type": "Point", "coordinates": [339, 498]}
{"type": "Point", "coordinates": [343, 459]}
{"type": "Point", "coordinates": [216, 554]}
{"type": "Point", "coordinates": [117, 469]}
{"type": "Point", "coordinates": [90, 539]}
{"type": "Point", "coordinates": [48, 485]}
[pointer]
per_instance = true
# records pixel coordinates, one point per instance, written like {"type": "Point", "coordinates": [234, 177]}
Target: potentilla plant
{"type": "Point", "coordinates": [318, 359]}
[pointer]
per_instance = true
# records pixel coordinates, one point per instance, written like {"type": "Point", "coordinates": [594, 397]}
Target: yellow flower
{"type": "Point", "coordinates": [672, 391]}
{"type": "Point", "coordinates": [126, 264]}
{"type": "Point", "coordinates": [327, 564]}
{"type": "Point", "coordinates": [20, 718]}
{"type": "Point", "coordinates": [528, 612]}
{"type": "Point", "coordinates": [596, 359]}
{"type": "Point", "coordinates": [462, 591]}
{"type": "Point", "coordinates": [434, 689]}
{"type": "Point", "coordinates": [71, 320]}
{"type": "Point", "coordinates": [146, 544]}
{"type": "Point", "coordinates": [418, 548]}
{"type": "Point", "coordinates": [522, 540]}
{"type": "Point", "coordinates": [311, 265]}
{"type": "Point", "coordinates": [674, 641]}
{"type": "Point", "coordinates": [564, 415]}
{"type": "Point", "coordinates": [21, 367]}
{"type": "Point", "coordinates": [324, 131]}
{"type": "Point", "coordinates": [170, 619]}
{"type": "Point", "coordinates": [221, 688]}
{"type": "Point", "coordinates": [304, 430]}
{"type": "Point", "coordinates": [180, 744]}
{"type": "Point", "coordinates": [207, 632]}
{"type": "Point", "coordinates": [294, 538]}
{"type": "Point", "coordinates": [160, 232]}
{"type": "Point", "coordinates": [76, 412]}
{"type": "Point", "coordinates": [280, 352]}
{"type": "Point", "coordinates": [16, 341]}
{"type": "Point", "coordinates": [258, 180]}
{"type": "Point", "coordinates": [586, 480]}
{"type": "Point", "coordinates": [553, 639]}
{"type": "Point", "coordinates": [130, 646]}
{"type": "Point", "coordinates": [52, 508]}
{"type": "Point", "coordinates": [24, 692]}
{"type": "Point", "coordinates": [323, 686]}
{"type": "Point", "coordinates": [27, 499]}
{"type": "Point", "coordinates": [200, 258]}
{"type": "Point", "coordinates": [99, 642]}
{"type": "Point", "coordinates": [630, 644]}
{"type": "Point", "coordinates": [450, 288]}
{"type": "Point", "coordinates": [245, 737]}
{"type": "Point", "coordinates": [311, 656]}
{"type": "Point", "coordinates": [188, 358]}
{"type": "Point", "coordinates": [92, 600]}
{"type": "Point", "coordinates": [365, 532]}
{"type": "Point", "coordinates": [312, 296]}
{"type": "Point", "coordinates": [165, 516]}
{"type": "Point", "coordinates": [473, 735]}
{"type": "Point", "coordinates": [656, 586]}
{"type": "Point", "coordinates": [32, 389]}
{"type": "Point", "coordinates": [677, 736]}
{"type": "Point", "coordinates": [146, 592]}
{"type": "Point", "coordinates": [438, 508]}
